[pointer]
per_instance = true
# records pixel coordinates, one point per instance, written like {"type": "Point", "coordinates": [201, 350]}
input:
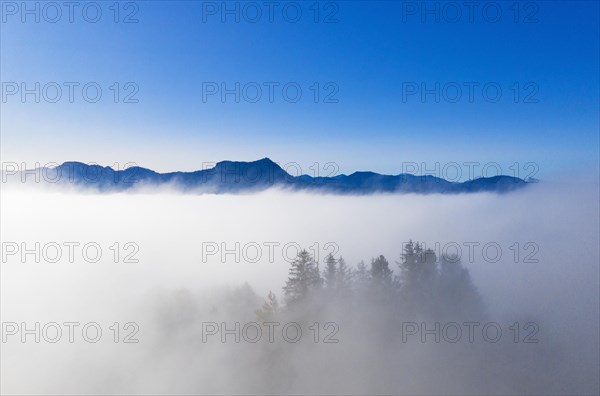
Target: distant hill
{"type": "Point", "coordinates": [236, 177]}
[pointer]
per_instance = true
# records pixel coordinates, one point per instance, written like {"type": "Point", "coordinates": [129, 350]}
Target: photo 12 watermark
{"type": "Point", "coordinates": [52, 252]}
{"type": "Point", "coordinates": [271, 332]}
{"type": "Point", "coordinates": [70, 12]}
{"type": "Point", "coordinates": [69, 332]}
{"type": "Point", "coordinates": [285, 12]}
{"type": "Point", "coordinates": [470, 12]}
{"type": "Point", "coordinates": [470, 332]}
{"type": "Point", "coordinates": [69, 92]}
{"type": "Point", "coordinates": [470, 92]}
{"type": "Point", "coordinates": [456, 171]}
{"type": "Point", "coordinates": [254, 252]}
{"type": "Point", "coordinates": [270, 92]}
{"type": "Point", "coordinates": [476, 251]}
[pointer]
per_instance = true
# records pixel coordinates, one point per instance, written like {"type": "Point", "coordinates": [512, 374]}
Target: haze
{"type": "Point", "coordinates": [174, 288]}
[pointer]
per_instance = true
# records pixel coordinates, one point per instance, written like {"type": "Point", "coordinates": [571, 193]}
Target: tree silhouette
{"type": "Point", "coordinates": [270, 308]}
{"type": "Point", "coordinates": [381, 273]}
{"type": "Point", "coordinates": [330, 272]}
{"type": "Point", "coordinates": [456, 295]}
{"type": "Point", "coordinates": [303, 278]}
{"type": "Point", "coordinates": [344, 279]}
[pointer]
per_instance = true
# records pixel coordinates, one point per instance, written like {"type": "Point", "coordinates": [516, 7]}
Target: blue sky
{"type": "Point", "coordinates": [542, 57]}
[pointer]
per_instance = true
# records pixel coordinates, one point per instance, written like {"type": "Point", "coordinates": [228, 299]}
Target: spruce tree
{"type": "Point", "coordinates": [270, 308]}
{"type": "Point", "coordinates": [330, 272]}
{"type": "Point", "coordinates": [382, 290]}
{"type": "Point", "coordinates": [304, 277]}
{"type": "Point", "coordinates": [361, 278]}
{"type": "Point", "coordinates": [380, 271]}
{"type": "Point", "coordinates": [344, 279]}
{"type": "Point", "coordinates": [457, 295]}
{"type": "Point", "coordinates": [418, 267]}
{"type": "Point", "coordinates": [344, 274]}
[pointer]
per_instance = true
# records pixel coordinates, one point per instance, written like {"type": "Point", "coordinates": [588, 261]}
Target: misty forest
{"type": "Point", "coordinates": [406, 320]}
{"type": "Point", "coordinates": [365, 329]}
{"type": "Point", "coordinates": [425, 289]}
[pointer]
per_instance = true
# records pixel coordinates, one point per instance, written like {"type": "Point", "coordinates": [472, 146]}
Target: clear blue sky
{"type": "Point", "coordinates": [372, 53]}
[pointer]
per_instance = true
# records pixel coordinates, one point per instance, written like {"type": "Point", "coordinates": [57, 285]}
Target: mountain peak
{"type": "Point", "coordinates": [264, 163]}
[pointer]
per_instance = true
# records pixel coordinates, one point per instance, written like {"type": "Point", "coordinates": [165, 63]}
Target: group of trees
{"type": "Point", "coordinates": [423, 285]}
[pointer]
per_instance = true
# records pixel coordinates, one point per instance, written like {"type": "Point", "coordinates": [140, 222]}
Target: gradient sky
{"type": "Point", "coordinates": [370, 51]}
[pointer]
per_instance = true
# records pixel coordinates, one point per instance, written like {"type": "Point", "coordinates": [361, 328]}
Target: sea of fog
{"type": "Point", "coordinates": [163, 264]}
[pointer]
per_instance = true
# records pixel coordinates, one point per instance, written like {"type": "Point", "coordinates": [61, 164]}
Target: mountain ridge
{"type": "Point", "coordinates": [241, 176]}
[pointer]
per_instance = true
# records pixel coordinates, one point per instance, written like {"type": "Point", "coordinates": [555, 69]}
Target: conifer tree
{"type": "Point", "coordinates": [270, 308]}
{"type": "Point", "coordinates": [303, 278]}
{"type": "Point", "coordinates": [380, 271]}
{"type": "Point", "coordinates": [361, 278]}
{"type": "Point", "coordinates": [456, 294]}
{"type": "Point", "coordinates": [344, 275]}
{"type": "Point", "coordinates": [330, 273]}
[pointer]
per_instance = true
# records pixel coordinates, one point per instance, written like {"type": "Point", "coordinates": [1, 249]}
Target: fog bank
{"type": "Point", "coordinates": [171, 263]}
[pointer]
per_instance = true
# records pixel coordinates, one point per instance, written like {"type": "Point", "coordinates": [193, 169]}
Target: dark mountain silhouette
{"type": "Point", "coordinates": [235, 177]}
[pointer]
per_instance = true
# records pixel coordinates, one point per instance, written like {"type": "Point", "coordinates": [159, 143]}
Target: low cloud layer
{"type": "Point", "coordinates": [171, 264]}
